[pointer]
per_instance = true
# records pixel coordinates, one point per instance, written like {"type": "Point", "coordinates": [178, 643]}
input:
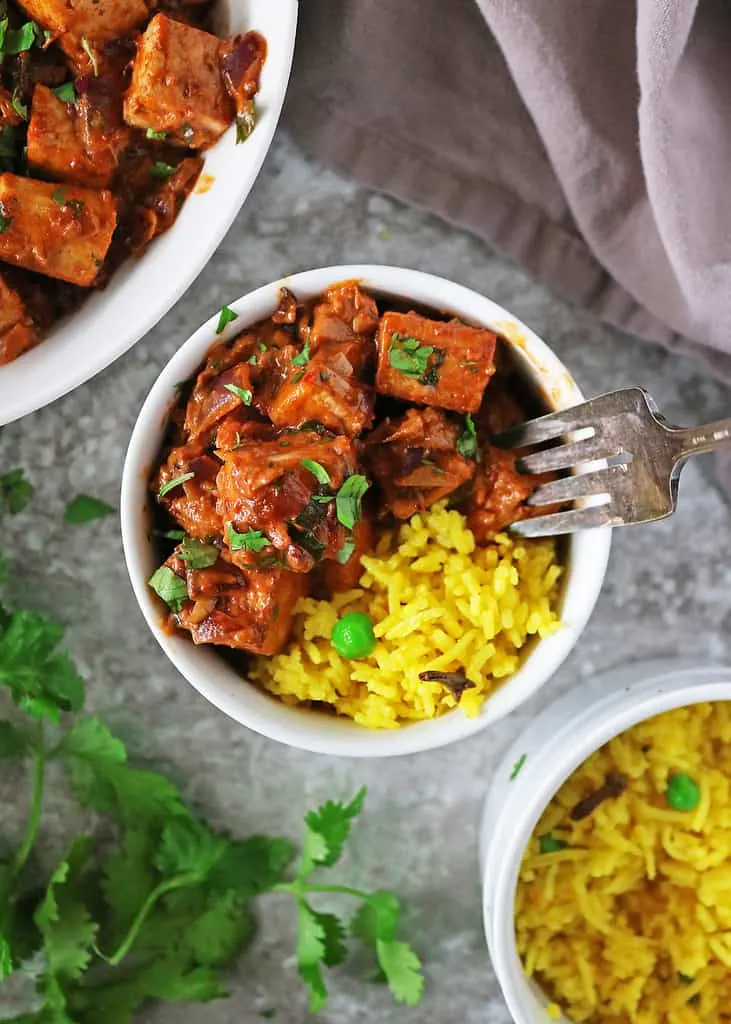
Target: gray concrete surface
{"type": "Point", "coordinates": [667, 592]}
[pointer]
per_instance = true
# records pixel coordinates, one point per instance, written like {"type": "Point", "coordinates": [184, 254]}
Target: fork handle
{"type": "Point", "coordinates": [696, 440]}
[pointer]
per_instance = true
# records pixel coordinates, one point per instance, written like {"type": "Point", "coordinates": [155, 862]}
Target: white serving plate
{"type": "Point", "coordinates": [143, 290]}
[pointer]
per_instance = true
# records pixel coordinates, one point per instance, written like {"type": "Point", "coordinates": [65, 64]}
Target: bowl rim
{"type": "Point", "coordinates": [70, 369]}
{"type": "Point", "coordinates": [298, 727]}
{"type": "Point", "coordinates": [566, 733]}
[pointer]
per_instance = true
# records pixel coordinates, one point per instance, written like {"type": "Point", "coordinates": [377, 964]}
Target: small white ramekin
{"type": "Point", "coordinates": [208, 672]}
{"type": "Point", "coordinates": [554, 745]}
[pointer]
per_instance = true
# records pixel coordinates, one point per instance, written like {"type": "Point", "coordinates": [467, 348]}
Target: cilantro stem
{"type": "Point", "coordinates": [36, 809]}
{"type": "Point", "coordinates": [303, 887]}
{"type": "Point", "coordinates": [178, 882]}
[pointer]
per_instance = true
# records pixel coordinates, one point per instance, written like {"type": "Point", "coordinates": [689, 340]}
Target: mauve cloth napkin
{"type": "Point", "coordinates": [589, 140]}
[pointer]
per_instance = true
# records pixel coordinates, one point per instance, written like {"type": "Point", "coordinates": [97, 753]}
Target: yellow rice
{"type": "Point", "coordinates": [438, 602]}
{"type": "Point", "coordinates": [632, 921]}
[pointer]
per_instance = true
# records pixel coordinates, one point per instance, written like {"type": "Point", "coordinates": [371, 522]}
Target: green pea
{"type": "Point", "coordinates": [549, 843]}
{"type": "Point", "coordinates": [683, 794]}
{"type": "Point", "coordinates": [353, 636]}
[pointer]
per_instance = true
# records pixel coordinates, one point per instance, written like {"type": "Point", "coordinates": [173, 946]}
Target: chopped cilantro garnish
{"type": "Point", "coordinates": [518, 766]}
{"type": "Point", "coordinates": [252, 540]}
{"type": "Point", "coordinates": [319, 472]}
{"type": "Point", "coordinates": [171, 534]}
{"type": "Point", "coordinates": [303, 357]}
{"type": "Point", "coordinates": [245, 122]}
{"type": "Point", "coordinates": [17, 40]}
{"type": "Point", "coordinates": [162, 170]}
{"type": "Point", "coordinates": [75, 205]}
{"type": "Point", "coordinates": [20, 108]}
{"type": "Point", "coordinates": [197, 554]}
{"type": "Point", "coordinates": [5, 223]}
{"type": "Point", "coordinates": [467, 442]}
{"type": "Point", "coordinates": [226, 316]}
{"type": "Point", "coordinates": [252, 360]}
{"type": "Point", "coordinates": [346, 551]}
{"type": "Point", "coordinates": [84, 509]}
{"type": "Point", "coordinates": [408, 355]}
{"type": "Point", "coordinates": [175, 482]}
{"type": "Point", "coordinates": [86, 46]}
{"type": "Point", "coordinates": [66, 92]}
{"type": "Point", "coordinates": [243, 393]}
{"type": "Point", "coordinates": [348, 499]}
{"type": "Point", "coordinates": [172, 589]}
{"type": "Point", "coordinates": [298, 377]}
{"type": "Point", "coordinates": [152, 134]}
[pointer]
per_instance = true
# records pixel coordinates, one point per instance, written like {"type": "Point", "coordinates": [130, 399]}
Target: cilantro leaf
{"type": "Point", "coordinates": [96, 762]}
{"type": "Point", "coordinates": [225, 317]}
{"type": "Point", "coordinates": [251, 866]}
{"type": "Point", "coordinates": [518, 767]}
{"type": "Point", "coordinates": [129, 877]}
{"type": "Point", "coordinates": [402, 969]}
{"type": "Point", "coordinates": [15, 491]}
{"type": "Point", "coordinates": [252, 540]}
{"type": "Point", "coordinates": [224, 927]}
{"type": "Point", "coordinates": [13, 742]}
{"type": "Point", "coordinates": [311, 952]}
{"type": "Point", "coordinates": [245, 394]}
{"type": "Point", "coordinates": [62, 917]}
{"type": "Point", "coordinates": [408, 355]}
{"type": "Point", "coordinates": [245, 121]}
{"type": "Point", "coordinates": [302, 358]}
{"type": "Point", "coordinates": [332, 823]}
{"type": "Point", "coordinates": [197, 554]}
{"type": "Point", "coordinates": [20, 39]}
{"type": "Point", "coordinates": [319, 472]}
{"type": "Point", "coordinates": [348, 500]}
{"type": "Point", "coordinates": [169, 587]}
{"type": "Point", "coordinates": [66, 92]}
{"type": "Point", "coordinates": [344, 554]}
{"type": "Point", "coordinates": [377, 918]}
{"type": "Point", "coordinates": [188, 847]}
{"type": "Point", "coordinates": [83, 509]}
{"type": "Point", "coordinates": [42, 680]}
{"type": "Point", "coordinates": [467, 441]}
{"type": "Point", "coordinates": [334, 939]}
{"type": "Point", "coordinates": [152, 134]}
{"type": "Point", "coordinates": [175, 482]}
{"type": "Point", "coordinates": [314, 851]}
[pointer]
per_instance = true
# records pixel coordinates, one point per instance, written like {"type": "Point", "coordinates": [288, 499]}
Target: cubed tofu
{"type": "Point", "coordinates": [56, 145]}
{"type": "Point", "coordinates": [433, 362]}
{"type": "Point", "coordinates": [192, 502]}
{"type": "Point", "coordinates": [177, 86]}
{"type": "Point", "coordinates": [499, 495]}
{"type": "Point", "coordinates": [255, 616]}
{"type": "Point", "coordinates": [95, 19]}
{"type": "Point", "coordinates": [325, 391]}
{"type": "Point", "coordinates": [345, 313]}
{"type": "Point", "coordinates": [18, 330]}
{"type": "Point", "coordinates": [416, 462]}
{"type": "Point", "coordinates": [269, 486]}
{"type": "Point", "coordinates": [57, 230]}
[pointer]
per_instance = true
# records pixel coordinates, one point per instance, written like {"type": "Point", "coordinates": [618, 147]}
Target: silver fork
{"type": "Point", "coordinates": [625, 458]}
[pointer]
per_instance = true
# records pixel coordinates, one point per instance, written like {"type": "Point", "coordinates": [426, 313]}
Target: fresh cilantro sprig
{"type": "Point", "coordinates": [163, 907]}
{"type": "Point", "coordinates": [15, 491]}
{"type": "Point", "coordinates": [322, 936]}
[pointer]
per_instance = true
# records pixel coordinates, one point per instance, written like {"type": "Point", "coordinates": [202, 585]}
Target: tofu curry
{"type": "Point", "coordinates": [308, 434]}
{"type": "Point", "coordinates": [105, 107]}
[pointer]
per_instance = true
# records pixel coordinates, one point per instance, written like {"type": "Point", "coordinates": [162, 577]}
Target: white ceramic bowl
{"type": "Point", "coordinates": [555, 743]}
{"type": "Point", "coordinates": [209, 673]}
{"type": "Point", "coordinates": [143, 290]}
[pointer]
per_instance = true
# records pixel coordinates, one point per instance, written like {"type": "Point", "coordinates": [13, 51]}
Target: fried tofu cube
{"type": "Point", "coordinates": [345, 313]}
{"type": "Point", "coordinates": [255, 616]}
{"type": "Point", "coordinates": [95, 19]}
{"type": "Point", "coordinates": [433, 362]}
{"type": "Point", "coordinates": [56, 144]}
{"type": "Point", "coordinates": [326, 391]}
{"type": "Point", "coordinates": [57, 230]}
{"type": "Point", "coordinates": [177, 87]}
{"type": "Point", "coordinates": [18, 330]}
